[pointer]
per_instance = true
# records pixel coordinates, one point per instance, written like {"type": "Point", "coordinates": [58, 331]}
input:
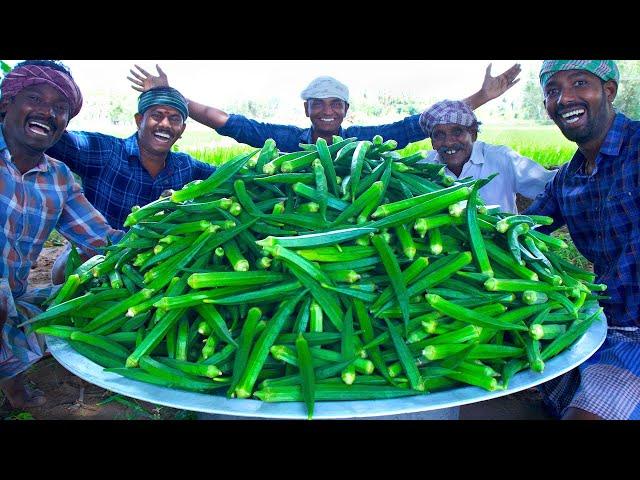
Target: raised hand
{"type": "Point", "coordinates": [493, 87]}
{"type": "Point", "coordinates": [143, 80]}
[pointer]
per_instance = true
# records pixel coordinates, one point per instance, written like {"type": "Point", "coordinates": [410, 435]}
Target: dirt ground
{"type": "Point", "coordinates": [71, 398]}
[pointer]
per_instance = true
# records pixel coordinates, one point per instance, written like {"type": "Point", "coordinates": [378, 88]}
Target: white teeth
{"type": "Point", "coordinates": [46, 128]}
{"type": "Point", "coordinates": [450, 152]}
{"type": "Point", "coordinates": [163, 135]}
{"type": "Point", "coordinates": [572, 113]}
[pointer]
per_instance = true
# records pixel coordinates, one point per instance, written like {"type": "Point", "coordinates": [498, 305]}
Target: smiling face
{"type": "Point", "coordinates": [326, 114]}
{"type": "Point", "coordinates": [580, 104]}
{"type": "Point", "coordinates": [35, 118]}
{"type": "Point", "coordinates": [159, 128]}
{"type": "Point", "coordinates": [454, 144]}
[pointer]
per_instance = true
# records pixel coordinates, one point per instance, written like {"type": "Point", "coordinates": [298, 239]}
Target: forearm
{"type": "Point", "coordinates": [83, 225]}
{"type": "Point", "coordinates": [6, 300]}
{"type": "Point", "coordinates": [209, 116]}
{"type": "Point", "coordinates": [476, 100]}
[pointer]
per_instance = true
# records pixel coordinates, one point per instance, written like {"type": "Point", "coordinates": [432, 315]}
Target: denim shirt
{"type": "Point", "coordinates": [114, 179]}
{"type": "Point", "coordinates": [289, 137]}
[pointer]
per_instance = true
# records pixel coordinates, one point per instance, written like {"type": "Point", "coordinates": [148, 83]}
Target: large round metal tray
{"type": "Point", "coordinates": [217, 404]}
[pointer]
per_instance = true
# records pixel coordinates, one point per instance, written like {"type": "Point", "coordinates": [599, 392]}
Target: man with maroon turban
{"type": "Point", "coordinates": [37, 194]}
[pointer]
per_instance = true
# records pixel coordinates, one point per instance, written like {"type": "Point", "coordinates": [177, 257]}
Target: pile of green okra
{"type": "Point", "coordinates": [339, 272]}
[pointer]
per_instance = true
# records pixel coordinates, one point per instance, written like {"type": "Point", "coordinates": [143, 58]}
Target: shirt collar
{"type": "Point", "coordinates": [613, 141]}
{"type": "Point", "coordinates": [477, 154]}
{"type": "Point", "coordinates": [43, 164]}
{"type": "Point", "coordinates": [611, 145]}
{"type": "Point", "coordinates": [307, 135]}
{"type": "Point", "coordinates": [131, 146]}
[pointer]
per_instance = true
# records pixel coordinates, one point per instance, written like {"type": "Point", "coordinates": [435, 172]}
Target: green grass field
{"type": "Point", "coordinates": [544, 144]}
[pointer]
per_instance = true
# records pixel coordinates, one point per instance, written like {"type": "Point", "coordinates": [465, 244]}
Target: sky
{"type": "Point", "coordinates": [215, 80]}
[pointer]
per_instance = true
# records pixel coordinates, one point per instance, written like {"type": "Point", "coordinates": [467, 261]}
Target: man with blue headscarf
{"type": "Point", "coordinates": [120, 173]}
{"type": "Point", "coordinates": [597, 196]}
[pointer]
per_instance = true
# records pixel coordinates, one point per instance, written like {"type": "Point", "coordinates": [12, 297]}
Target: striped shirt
{"type": "Point", "coordinates": [602, 213]}
{"type": "Point", "coordinates": [31, 206]}
{"type": "Point", "coordinates": [114, 179]}
{"type": "Point", "coordinates": [289, 137]}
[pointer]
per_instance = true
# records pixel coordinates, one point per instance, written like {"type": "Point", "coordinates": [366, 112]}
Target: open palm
{"type": "Point", "coordinates": [493, 87]}
{"type": "Point", "coordinates": [143, 80]}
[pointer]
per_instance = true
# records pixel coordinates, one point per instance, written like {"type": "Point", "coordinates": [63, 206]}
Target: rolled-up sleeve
{"type": "Point", "coordinates": [254, 133]}
{"type": "Point", "coordinates": [82, 224]}
{"type": "Point", "coordinates": [530, 177]}
{"type": "Point", "coordinates": [546, 203]}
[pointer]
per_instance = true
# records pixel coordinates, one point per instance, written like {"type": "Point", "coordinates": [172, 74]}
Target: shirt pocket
{"type": "Point", "coordinates": [621, 209]}
{"type": "Point", "coordinates": [45, 205]}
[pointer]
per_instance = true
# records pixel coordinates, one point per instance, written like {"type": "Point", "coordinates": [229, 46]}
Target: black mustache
{"type": "Point", "coordinates": [457, 146]}
{"type": "Point", "coordinates": [572, 106]}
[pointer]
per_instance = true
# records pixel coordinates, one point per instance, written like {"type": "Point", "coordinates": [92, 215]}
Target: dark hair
{"type": "Point", "coordinates": [55, 64]}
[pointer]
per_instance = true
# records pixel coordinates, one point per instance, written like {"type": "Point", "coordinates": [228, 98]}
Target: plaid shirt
{"type": "Point", "coordinates": [31, 206]}
{"type": "Point", "coordinates": [602, 212]}
{"type": "Point", "coordinates": [289, 137]}
{"type": "Point", "coordinates": [112, 176]}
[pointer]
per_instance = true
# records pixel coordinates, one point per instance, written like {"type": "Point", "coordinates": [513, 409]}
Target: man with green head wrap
{"type": "Point", "coordinates": [597, 196]}
{"type": "Point", "coordinates": [119, 173]}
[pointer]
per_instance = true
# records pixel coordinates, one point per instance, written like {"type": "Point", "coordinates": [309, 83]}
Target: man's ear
{"type": "Point", "coordinates": [138, 118]}
{"type": "Point", "coordinates": [346, 108]}
{"type": "Point", "coordinates": [610, 90]}
{"type": "Point", "coordinates": [544, 103]}
{"type": "Point", "coordinates": [4, 104]}
{"type": "Point", "coordinates": [306, 108]}
{"type": "Point", "coordinates": [474, 135]}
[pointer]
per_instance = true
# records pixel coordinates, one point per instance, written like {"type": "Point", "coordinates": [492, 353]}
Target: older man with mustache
{"type": "Point", "coordinates": [453, 129]}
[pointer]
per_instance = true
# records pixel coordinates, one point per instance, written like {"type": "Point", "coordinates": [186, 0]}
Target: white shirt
{"type": "Point", "coordinates": [517, 174]}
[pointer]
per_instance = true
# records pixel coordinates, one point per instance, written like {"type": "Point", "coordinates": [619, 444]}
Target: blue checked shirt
{"type": "Point", "coordinates": [602, 212]}
{"type": "Point", "coordinates": [289, 137]}
{"type": "Point", "coordinates": [113, 177]}
{"type": "Point", "coordinates": [31, 206]}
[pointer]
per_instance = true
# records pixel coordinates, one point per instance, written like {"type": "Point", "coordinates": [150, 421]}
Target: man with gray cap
{"type": "Point", "coordinates": [453, 129]}
{"type": "Point", "coordinates": [597, 196]}
{"type": "Point", "coordinates": [326, 102]}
